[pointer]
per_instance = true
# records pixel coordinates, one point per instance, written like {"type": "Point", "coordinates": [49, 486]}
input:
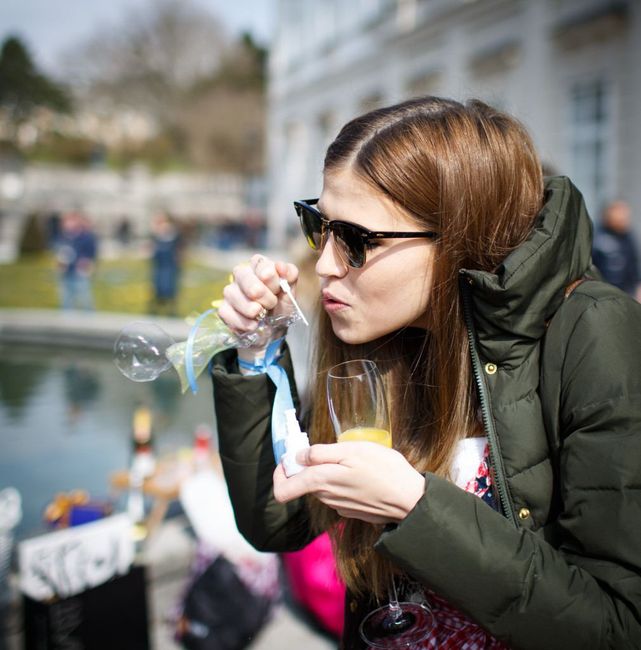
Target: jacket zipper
{"type": "Point", "coordinates": [496, 460]}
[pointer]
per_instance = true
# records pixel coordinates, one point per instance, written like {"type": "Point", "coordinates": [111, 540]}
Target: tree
{"type": "Point", "coordinates": [23, 88]}
{"type": "Point", "coordinates": [223, 120]}
{"type": "Point", "coordinates": [173, 62]}
{"type": "Point", "coordinates": [150, 59]}
{"type": "Point", "coordinates": [243, 67]}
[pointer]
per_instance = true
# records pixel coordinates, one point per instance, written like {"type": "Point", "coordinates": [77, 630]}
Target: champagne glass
{"type": "Point", "coordinates": [358, 411]}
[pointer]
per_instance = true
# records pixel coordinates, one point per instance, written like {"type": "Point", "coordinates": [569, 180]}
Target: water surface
{"type": "Point", "coordinates": [65, 422]}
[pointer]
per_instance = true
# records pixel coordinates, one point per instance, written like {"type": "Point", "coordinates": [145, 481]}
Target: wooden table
{"type": "Point", "coordinates": [163, 486]}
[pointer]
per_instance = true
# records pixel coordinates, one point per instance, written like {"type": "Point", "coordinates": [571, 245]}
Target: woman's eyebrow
{"type": "Point", "coordinates": [319, 207]}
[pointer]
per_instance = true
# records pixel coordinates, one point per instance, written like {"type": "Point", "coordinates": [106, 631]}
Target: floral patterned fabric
{"type": "Point", "coordinates": [451, 629]}
{"type": "Point", "coordinates": [482, 485]}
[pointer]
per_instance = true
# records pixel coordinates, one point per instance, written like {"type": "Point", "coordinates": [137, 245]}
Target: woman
{"type": "Point", "coordinates": [491, 328]}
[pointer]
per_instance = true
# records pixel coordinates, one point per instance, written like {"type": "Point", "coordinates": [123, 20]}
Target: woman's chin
{"type": "Point", "coordinates": [355, 335]}
{"type": "Point", "coordinates": [348, 334]}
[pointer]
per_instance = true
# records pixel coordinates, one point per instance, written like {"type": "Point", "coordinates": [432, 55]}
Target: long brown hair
{"type": "Point", "coordinates": [471, 173]}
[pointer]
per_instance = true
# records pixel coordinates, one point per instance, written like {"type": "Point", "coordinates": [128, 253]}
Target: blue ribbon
{"type": "Point", "coordinates": [283, 398]}
{"type": "Point", "coordinates": [189, 349]}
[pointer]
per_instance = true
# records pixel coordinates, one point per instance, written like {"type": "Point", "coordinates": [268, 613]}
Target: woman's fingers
{"type": "Point", "coordinates": [358, 479]}
{"type": "Point", "coordinates": [338, 452]}
{"type": "Point", "coordinates": [254, 291]}
{"type": "Point", "coordinates": [325, 465]}
{"type": "Point", "coordinates": [317, 480]}
{"type": "Point", "coordinates": [265, 270]}
{"type": "Point", "coordinates": [237, 310]}
{"type": "Point", "coordinates": [243, 304]}
{"type": "Point", "coordinates": [287, 489]}
{"type": "Point", "coordinates": [255, 287]}
{"type": "Point", "coordinates": [288, 271]}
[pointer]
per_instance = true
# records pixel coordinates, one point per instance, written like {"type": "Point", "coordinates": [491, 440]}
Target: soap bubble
{"type": "Point", "coordinates": [140, 351]}
{"type": "Point", "coordinates": [143, 350]}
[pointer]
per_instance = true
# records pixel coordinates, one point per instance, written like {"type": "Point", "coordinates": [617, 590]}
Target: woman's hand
{"type": "Point", "coordinates": [360, 480]}
{"type": "Point", "coordinates": [254, 291]}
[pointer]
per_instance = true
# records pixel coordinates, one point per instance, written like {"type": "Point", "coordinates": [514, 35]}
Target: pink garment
{"type": "Point", "coordinates": [315, 583]}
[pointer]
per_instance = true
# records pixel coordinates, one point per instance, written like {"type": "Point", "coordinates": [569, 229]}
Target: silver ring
{"type": "Point", "coordinates": [261, 314]}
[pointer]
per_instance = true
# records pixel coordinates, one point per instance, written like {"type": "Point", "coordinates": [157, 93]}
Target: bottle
{"type": "Point", "coordinates": [202, 447]}
{"type": "Point", "coordinates": [294, 442]}
{"type": "Point", "coordinates": [143, 462]}
{"type": "Point", "coordinates": [143, 465]}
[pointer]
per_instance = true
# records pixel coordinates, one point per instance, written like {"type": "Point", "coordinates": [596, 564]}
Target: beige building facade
{"type": "Point", "coordinates": [569, 69]}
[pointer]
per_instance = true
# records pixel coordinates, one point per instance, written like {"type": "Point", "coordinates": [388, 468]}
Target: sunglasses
{"type": "Point", "coordinates": [352, 241]}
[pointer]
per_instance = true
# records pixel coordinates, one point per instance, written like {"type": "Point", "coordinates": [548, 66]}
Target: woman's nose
{"type": "Point", "coordinates": [330, 263]}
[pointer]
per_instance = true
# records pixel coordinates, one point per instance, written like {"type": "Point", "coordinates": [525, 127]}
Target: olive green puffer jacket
{"type": "Point", "coordinates": [559, 379]}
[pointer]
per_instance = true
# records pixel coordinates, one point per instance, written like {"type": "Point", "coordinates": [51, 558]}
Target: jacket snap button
{"type": "Point", "coordinates": [490, 368]}
{"type": "Point", "coordinates": [524, 513]}
{"type": "Point", "coordinates": [353, 606]}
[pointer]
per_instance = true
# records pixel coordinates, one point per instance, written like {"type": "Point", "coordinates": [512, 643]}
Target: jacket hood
{"type": "Point", "coordinates": [512, 305]}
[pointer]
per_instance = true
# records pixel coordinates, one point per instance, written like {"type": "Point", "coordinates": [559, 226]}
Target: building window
{"type": "Point", "coordinates": [590, 133]}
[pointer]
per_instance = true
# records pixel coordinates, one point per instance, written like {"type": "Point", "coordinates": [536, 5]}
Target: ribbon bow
{"type": "Point", "coordinates": [283, 399]}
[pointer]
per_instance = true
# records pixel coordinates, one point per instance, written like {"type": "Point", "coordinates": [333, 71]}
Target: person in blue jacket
{"type": "Point", "coordinates": [166, 264]}
{"type": "Point", "coordinates": [615, 251]}
{"type": "Point", "coordinates": [76, 254]}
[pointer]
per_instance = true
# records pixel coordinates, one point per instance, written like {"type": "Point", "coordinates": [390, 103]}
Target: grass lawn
{"type": "Point", "coordinates": [119, 285]}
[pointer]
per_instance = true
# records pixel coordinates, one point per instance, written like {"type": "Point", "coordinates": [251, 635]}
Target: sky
{"type": "Point", "coordinates": [49, 27]}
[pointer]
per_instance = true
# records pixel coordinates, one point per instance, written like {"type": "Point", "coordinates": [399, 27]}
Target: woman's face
{"type": "Point", "coordinates": [391, 290]}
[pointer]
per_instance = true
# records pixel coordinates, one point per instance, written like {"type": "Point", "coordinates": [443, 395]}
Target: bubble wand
{"type": "Point", "coordinates": [284, 285]}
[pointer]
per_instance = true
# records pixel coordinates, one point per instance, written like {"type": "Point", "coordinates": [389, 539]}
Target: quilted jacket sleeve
{"type": "Point", "coordinates": [243, 414]}
{"type": "Point", "coordinates": [585, 590]}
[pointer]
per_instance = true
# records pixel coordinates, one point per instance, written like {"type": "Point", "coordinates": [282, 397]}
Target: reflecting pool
{"type": "Point", "coordinates": [65, 422]}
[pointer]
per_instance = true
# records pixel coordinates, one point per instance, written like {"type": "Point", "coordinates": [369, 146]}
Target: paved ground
{"type": "Point", "coordinates": [170, 552]}
{"type": "Point", "coordinates": [169, 555]}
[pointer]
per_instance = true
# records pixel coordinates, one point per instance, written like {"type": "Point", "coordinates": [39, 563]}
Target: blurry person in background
{"type": "Point", "coordinates": [53, 228]}
{"type": "Point", "coordinates": [615, 251]}
{"type": "Point", "coordinates": [165, 262]}
{"type": "Point", "coordinates": [76, 255]}
{"type": "Point", "coordinates": [123, 232]}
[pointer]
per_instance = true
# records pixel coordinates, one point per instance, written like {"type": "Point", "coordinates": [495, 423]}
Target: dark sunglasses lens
{"type": "Point", "coordinates": [311, 225]}
{"type": "Point", "coordinates": [350, 243]}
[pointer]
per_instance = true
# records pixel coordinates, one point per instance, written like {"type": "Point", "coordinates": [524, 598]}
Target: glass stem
{"type": "Point", "coordinates": [395, 608]}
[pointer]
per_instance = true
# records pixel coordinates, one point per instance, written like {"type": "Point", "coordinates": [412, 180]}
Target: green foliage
{"type": "Point", "coordinates": [222, 120]}
{"type": "Point", "coordinates": [159, 153]}
{"type": "Point", "coordinates": [9, 149]}
{"type": "Point", "coordinates": [207, 118]}
{"type": "Point", "coordinates": [60, 148]}
{"type": "Point", "coordinates": [242, 68]}
{"type": "Point", "coordinates": [23, 88]}
{"type": "Point", "coordinates": [121, 285]}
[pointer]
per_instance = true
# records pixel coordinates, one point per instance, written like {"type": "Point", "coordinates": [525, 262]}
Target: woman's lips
{"type": "Point", "coordinates": [331, 304]}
